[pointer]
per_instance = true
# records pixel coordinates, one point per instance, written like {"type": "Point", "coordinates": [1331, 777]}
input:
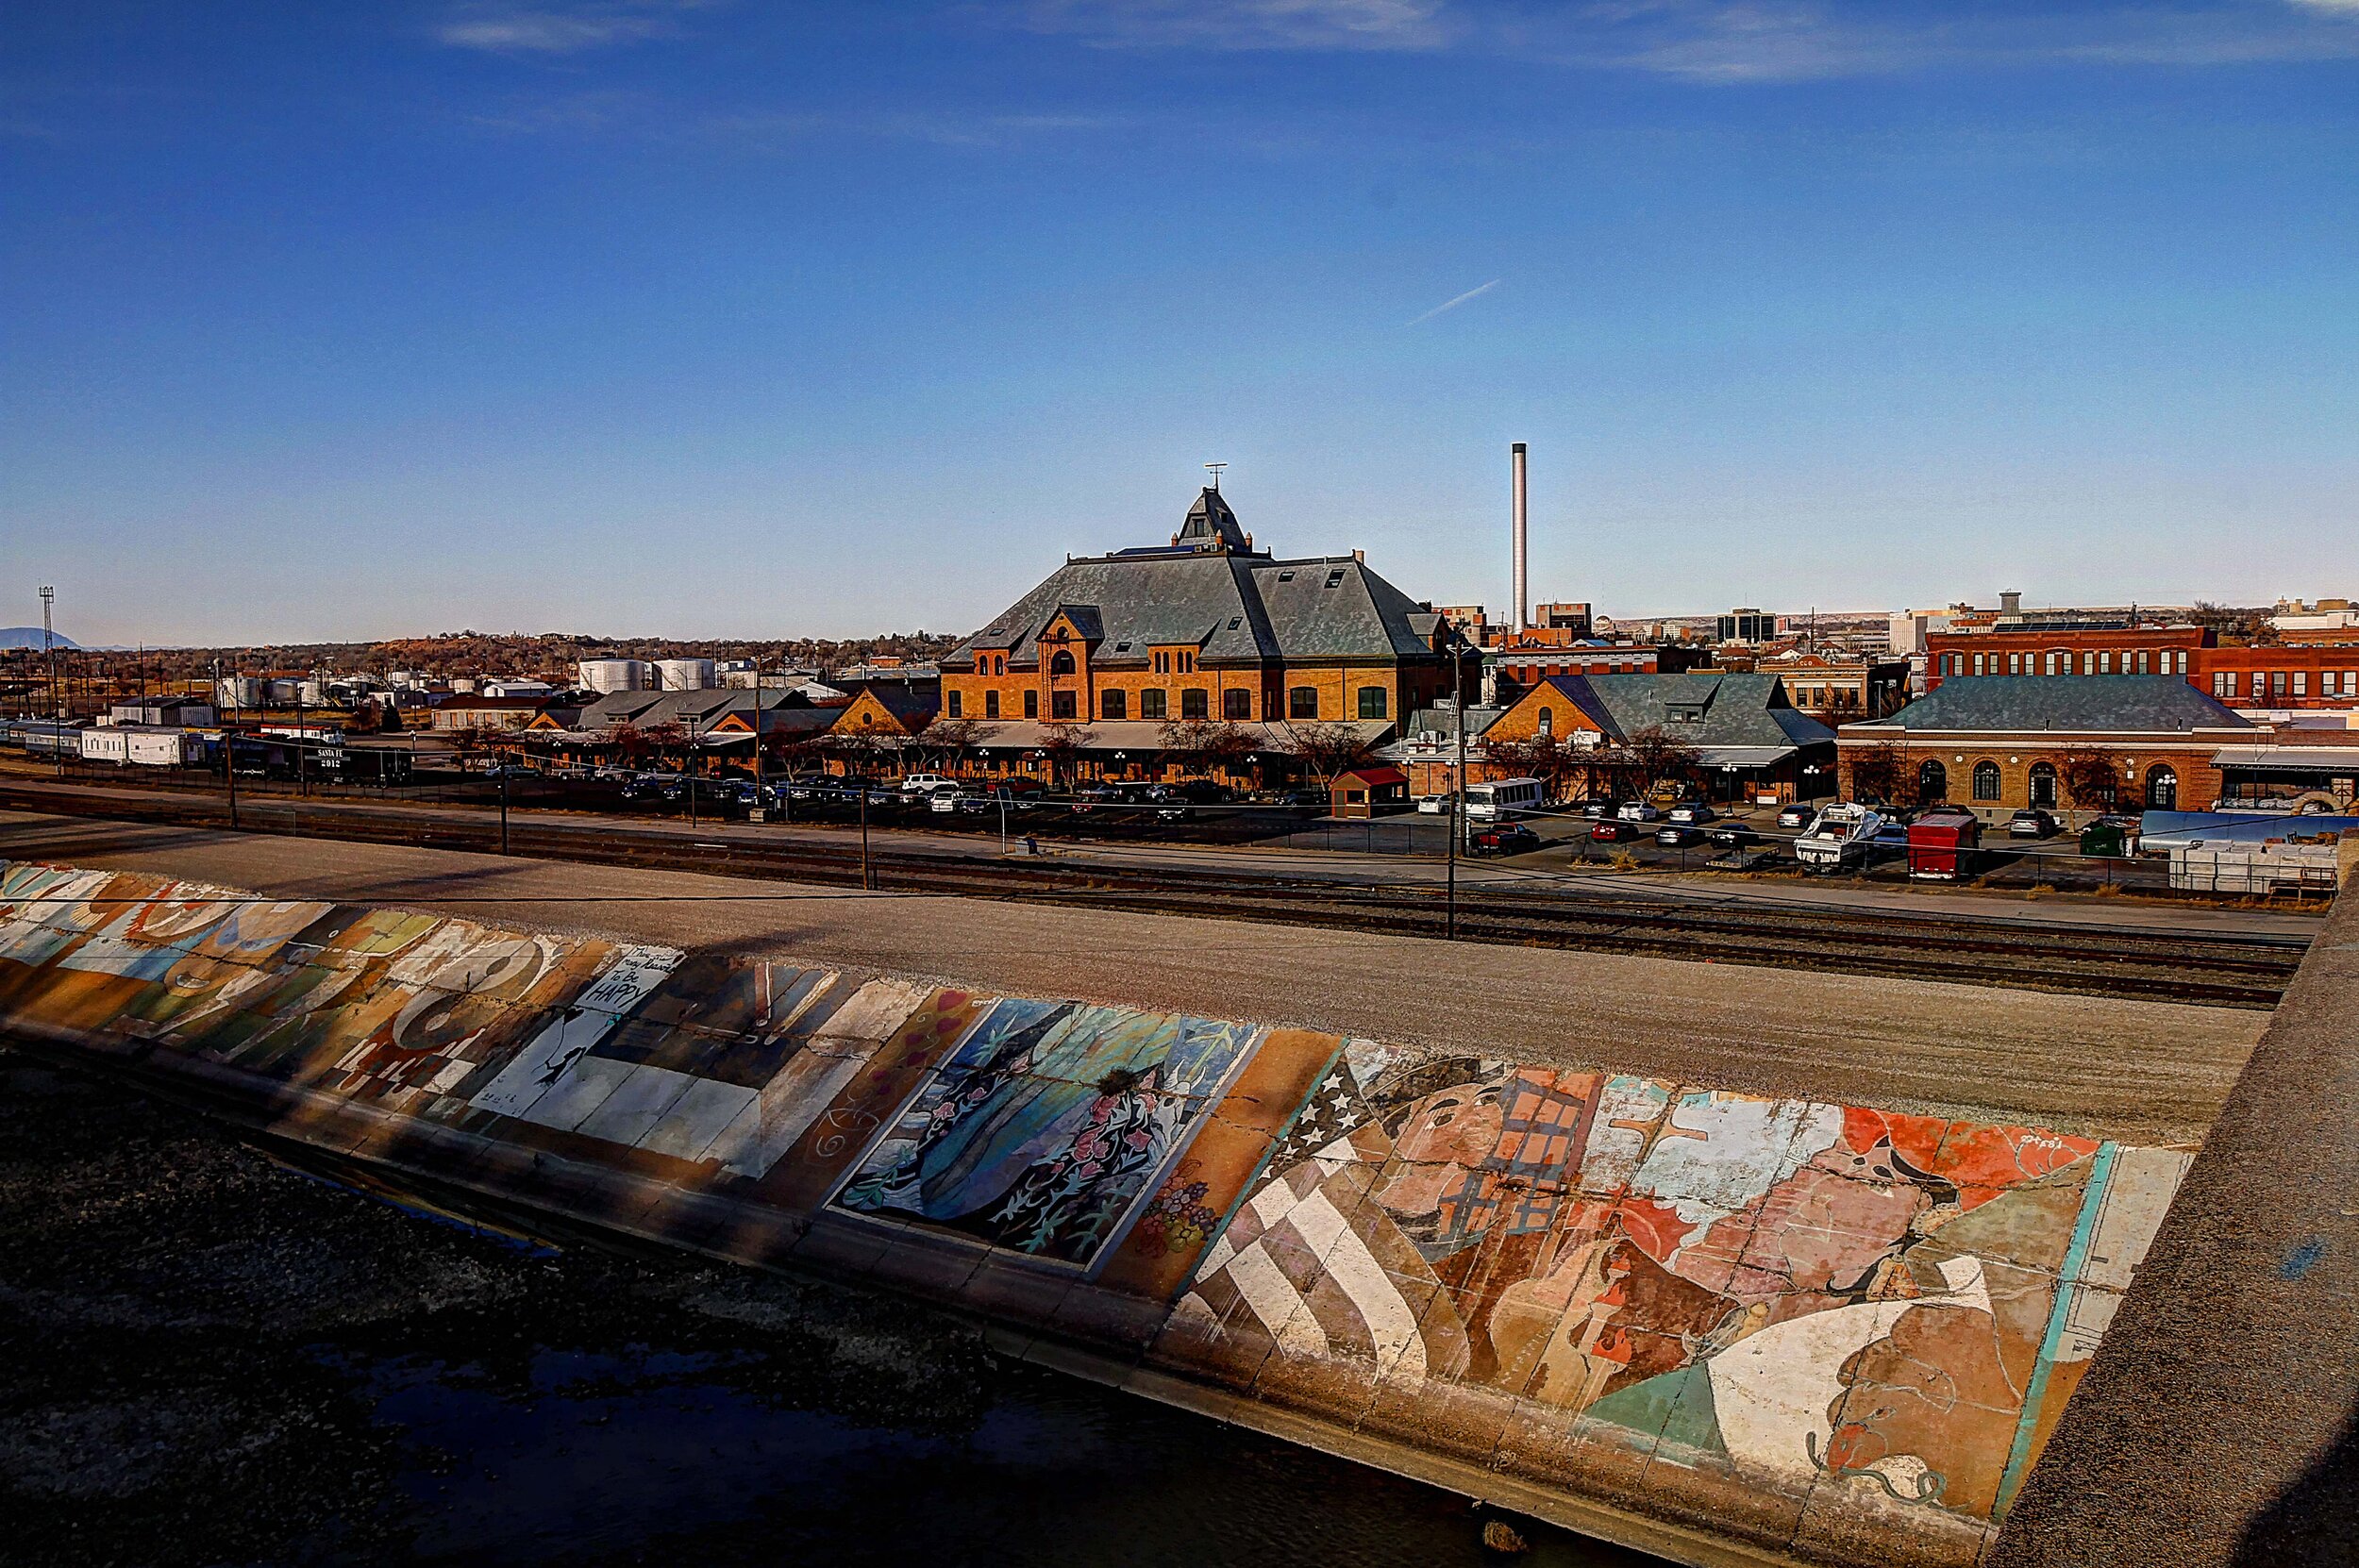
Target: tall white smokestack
{"type": "Point", "coordinates": [1523, 596]}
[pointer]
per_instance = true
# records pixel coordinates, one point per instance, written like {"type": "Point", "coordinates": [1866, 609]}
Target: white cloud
{"type": "Point", "coordinates": [560, 29]}
{"type": "Point", "coordinates": [1727, 40]}
{"type": "Point", "coordinates": [1247, 24]}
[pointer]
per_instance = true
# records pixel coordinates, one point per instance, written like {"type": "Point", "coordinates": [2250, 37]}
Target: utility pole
{"type": "Point", "coordinates": [1458, 769]}
{"type": "Point", "coordinates": [867, 878]}
{"type": "Point", "coordinates": [503, 767]}
{"type": "Point", "coordinates": [692, 772]}
{"type": "Point", "coordinates": [300, 790]}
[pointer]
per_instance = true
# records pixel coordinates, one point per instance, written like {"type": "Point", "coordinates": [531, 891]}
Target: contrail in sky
{"type": "Point", "coordinates": [1455, 304]}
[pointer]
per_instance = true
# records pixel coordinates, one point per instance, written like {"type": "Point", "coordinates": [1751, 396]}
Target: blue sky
{"type": "Point", "coordinates": [730, 318]}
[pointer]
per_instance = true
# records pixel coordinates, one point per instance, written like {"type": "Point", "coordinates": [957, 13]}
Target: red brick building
{"type": "Point", "coordinates": [2288, 674]}
{"type": "Point", "coordinates": [2007, 742]}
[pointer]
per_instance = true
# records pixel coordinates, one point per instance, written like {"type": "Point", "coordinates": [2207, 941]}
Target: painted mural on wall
{"type": "Point", "coordinates": [1046, 1127]}
{"type": "Point", "coordinates": [1792, 1319]}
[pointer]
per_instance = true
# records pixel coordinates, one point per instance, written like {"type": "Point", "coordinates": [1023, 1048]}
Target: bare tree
{"type": "Point", "coordinates": [2090, 779]}
{"type": "Point", "coordinates": [1326, 750]}
{"type": "Point", "coordinates": [627, 742]}
{"type": "Point", "coordinates": [951, 739]}
{"type": "Point", "coordinates": [1652, 755]}
{"type": "Point", "coordinates": [861, 750]}
{"type": "Point", "coordinates": [1061, 748]}
{"type": "Point", "coordinates": [1209, 746]}
{"type": "Point", "coordinates": [668, 739]}
{"type": "Point", "coordinates": [466, 742]}
{"type": "Point", "coordinates": [1881, 774]}
{"type": "Point", "coordinates": [792, 752]}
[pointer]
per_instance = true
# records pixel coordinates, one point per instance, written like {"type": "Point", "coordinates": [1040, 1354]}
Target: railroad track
{"type": "Point", "coordinates": [2249, 972]}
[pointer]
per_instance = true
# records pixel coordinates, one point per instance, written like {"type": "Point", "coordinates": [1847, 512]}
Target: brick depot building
{"type": "Point", "coordinates": [2303, 674]}
{"type": "Point", "coordinates": [1997, 744]}
{"type": "Point", "coordinates": [1749, 741]}
{"type": "Point", "coordinates": [1204, 627]}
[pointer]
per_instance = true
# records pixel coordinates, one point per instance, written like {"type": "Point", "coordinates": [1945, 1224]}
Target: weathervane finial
{"type": "Point", "coordinates": [1213, 469]}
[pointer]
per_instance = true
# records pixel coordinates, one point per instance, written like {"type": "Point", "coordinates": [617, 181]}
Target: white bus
{"type": "Point", "coordinates": [1502, 798]}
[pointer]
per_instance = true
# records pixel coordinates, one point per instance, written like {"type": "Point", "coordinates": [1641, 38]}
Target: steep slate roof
{"type": "Point", "coordinates": [2091, 704]}
{"type": "Point", "coordinates": [1232, 606]}
{"type": "Point", "coordinates": [700, 708]}
{"type": "Point", "coordinates": [1739, 710]}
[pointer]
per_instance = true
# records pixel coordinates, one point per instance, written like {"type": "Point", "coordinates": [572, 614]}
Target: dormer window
{"type": "Point", "coordinates": [1235, 620]}
{"type": "Point", "coordinates": [1335, 578]}
{"type": "Point", "coordinates": [1285, 576]}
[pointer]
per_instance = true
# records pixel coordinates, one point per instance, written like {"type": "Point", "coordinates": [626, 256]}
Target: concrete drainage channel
{"type": "Point", "coordinates": [1695, 1322]}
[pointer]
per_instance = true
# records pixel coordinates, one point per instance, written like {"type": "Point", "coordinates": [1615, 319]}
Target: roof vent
{"type": "Point", "coordinates": [1335, 578]}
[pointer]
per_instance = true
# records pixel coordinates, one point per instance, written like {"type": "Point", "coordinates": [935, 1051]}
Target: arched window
{"type": "Point", "coordinates": [1548, 721]}
{"type": "Point", "coordinates": [1932, 782]}
{"type": "Point", "coordinates": [1060, 664]}
{"type": "Point", "coordinates": [2162, 788]}
{"type": "Point", "coordinates": [2044, 786]}
{"type": "Point", "coordinates": [1985, 781]}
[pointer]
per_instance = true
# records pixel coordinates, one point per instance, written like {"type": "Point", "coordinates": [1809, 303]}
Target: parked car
{"type": "Point", "coordinates": [1734, 835]}
{"type": "Point", "coordinates": [1637, 811]}
{"type": "Point", "coordinates": [1672, 835]}
{"type": "Point", "coordinates": [1505, 838]}
{"type": "Point", "coordinates": [1796, 815]}
{"type": "Point", "coordinates": [1178, 801]}
{"type": "Point", "coordinates": [926, 783]}
{"type": "Point", "coordinates": [1612, 830]}
{"type": "Point", "coordinates": [1435, 806]}
{"type": "Point", "coordinates": [2032, 823]}
{"type": "Point", "coordinates": [1092, 799]}
{"type": "Point", "coordinates": [1601, 807]}
{"type": "Point", "coordinates": [1693, 812]}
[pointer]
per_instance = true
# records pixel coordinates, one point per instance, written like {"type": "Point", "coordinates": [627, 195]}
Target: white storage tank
{"type": "Point", "coordinates": [238, 691]}
{"type": "Point", "coordinates": [278, 692]}
{"type": "Point", "coordinates": [603, 675]}
{"type": "Point", "coordinates": [685, 675]}
{"type": "Point", "coordinates": [313, 692]}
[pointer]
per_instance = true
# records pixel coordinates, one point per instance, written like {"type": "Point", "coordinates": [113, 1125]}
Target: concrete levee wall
{"type": "Point", "coordinates": [1719, 1326]}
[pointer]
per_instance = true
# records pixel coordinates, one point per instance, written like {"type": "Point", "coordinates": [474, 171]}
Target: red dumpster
{"type": "Point", "coordinates": [1942, 844]}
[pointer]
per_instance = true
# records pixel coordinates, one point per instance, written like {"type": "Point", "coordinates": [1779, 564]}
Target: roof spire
{"type": "Point", "coordinates": [1211, 528]}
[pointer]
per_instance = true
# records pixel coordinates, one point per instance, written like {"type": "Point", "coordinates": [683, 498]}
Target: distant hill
{"type": "Point", "coordinates": [30, 636]}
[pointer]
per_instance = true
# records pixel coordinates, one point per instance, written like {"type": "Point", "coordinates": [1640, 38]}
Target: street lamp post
{"type": "Point", "coordinates": [753, 812]}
